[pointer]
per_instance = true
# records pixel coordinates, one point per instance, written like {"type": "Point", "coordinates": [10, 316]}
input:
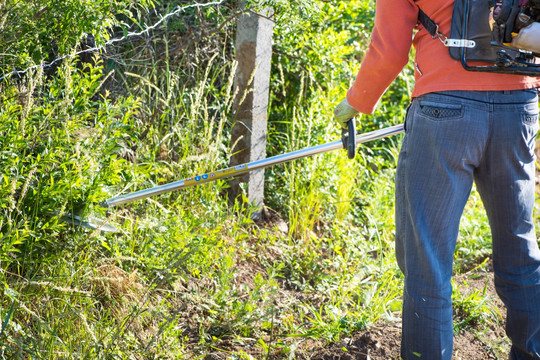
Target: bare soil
{"type": "Point", "coordinates": [477, 341]}
{"type": "Point", "coordinates": [481, 341]}
{"type": "Point", "coordinates": [382, 342]}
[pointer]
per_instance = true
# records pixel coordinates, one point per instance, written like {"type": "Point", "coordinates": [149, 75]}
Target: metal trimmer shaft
{"type": "Point", "coordinates": [243, 168]}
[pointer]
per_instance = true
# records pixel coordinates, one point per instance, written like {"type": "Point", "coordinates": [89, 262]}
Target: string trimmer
{"type": "Point", "coordinates": [349, 141]}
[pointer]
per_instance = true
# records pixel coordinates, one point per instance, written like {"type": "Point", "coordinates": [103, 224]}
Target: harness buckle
{"type": "Point", "coordinates": [439, 35]}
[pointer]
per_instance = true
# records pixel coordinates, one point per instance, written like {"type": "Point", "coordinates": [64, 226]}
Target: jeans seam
{"type": "Point", "coordinates": [491, 121]}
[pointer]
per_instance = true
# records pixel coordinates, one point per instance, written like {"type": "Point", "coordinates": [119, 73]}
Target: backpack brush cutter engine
{"type": "Point", "coordinates": [497, 36]}
{"type": "Point", "coordinates": [516, 25]}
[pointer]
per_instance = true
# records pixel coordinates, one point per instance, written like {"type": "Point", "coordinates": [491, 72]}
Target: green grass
{"type": "Point", "coordinates": [187, 274]}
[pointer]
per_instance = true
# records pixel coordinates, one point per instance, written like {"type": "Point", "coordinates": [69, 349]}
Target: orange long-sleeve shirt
{"type": "Point", "coordinates": [388, 53]}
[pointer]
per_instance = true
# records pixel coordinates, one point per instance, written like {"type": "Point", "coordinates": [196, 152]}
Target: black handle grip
{"type": "Point", "coordinates": [348, 136]}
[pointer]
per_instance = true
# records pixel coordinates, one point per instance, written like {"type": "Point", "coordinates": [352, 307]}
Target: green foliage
{"type": "Point", "coordinates": [54, 161]}
{"type": "Point", "coordinates": [473, 308]}
{"type": "Point", "coordinates": [330, 51]}
{"type": "Point", "coordinates": [59, 151]}
{"type": "Point", "coordinates": [474, 242]}
{"type": "Point", "coordinates": [287, 13]}
{"type": "Point", "coordinates": [40, 31]}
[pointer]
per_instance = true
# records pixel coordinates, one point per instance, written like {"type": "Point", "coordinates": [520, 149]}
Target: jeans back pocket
{"type": "Point", "coordinates": [440, 111]}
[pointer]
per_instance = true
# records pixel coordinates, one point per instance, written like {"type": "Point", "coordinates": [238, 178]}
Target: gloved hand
{"type": "Point", "coordinates": [344, 112]}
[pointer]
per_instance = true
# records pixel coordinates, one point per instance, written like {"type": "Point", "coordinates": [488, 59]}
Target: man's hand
{"type": "Point", "coordinates": [344, 112]}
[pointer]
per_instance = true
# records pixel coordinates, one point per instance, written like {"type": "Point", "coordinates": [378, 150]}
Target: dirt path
{"type": "Point", "coordinates": [382, 342]}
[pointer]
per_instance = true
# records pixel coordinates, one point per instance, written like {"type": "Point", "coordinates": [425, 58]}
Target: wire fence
{"type": "Point", "coordinates": [177, 11]}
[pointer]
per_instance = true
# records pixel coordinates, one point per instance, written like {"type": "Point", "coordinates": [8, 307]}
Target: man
{"type": "Point", "coordinates": [461, 127]}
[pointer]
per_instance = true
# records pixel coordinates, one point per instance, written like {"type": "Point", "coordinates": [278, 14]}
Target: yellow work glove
{"type": "Point", "coordinates": [344, 112]}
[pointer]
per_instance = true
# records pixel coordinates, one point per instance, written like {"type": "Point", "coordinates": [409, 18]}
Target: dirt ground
{"type": "Point", "coordinates": [382, 342]}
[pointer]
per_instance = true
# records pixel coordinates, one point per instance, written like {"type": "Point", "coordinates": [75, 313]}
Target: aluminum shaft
{"type": "Point", "coordinates": [252, 166]}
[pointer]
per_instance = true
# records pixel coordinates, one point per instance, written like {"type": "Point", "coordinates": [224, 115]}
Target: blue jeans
{"type": "Point", "coordinates": [452, 139]}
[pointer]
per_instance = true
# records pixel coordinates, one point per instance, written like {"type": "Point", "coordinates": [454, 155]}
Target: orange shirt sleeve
{"type": "Point", "coordinates": [387, 54]}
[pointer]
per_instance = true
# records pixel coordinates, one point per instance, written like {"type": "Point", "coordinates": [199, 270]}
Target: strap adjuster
{"type": "Point", "coordinates": [461, 43]}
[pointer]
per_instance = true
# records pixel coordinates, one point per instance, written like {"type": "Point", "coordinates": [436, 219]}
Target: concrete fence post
{"type": "Point", "coordinates": [252, 83]}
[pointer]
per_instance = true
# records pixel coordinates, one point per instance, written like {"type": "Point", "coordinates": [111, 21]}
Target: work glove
{"type": "Point", "coordinates": [344, 112]}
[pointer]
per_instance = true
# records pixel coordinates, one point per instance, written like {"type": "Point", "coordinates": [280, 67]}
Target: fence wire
{"type": "Point", "coordinates": [177, 11]}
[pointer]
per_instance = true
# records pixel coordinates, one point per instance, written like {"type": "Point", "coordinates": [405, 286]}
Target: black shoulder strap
{"type": "Point", "coordinates": [428, 23]}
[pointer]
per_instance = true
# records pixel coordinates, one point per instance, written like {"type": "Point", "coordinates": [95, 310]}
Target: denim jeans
{"type": "Point", "coordinates": [452, 139]}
